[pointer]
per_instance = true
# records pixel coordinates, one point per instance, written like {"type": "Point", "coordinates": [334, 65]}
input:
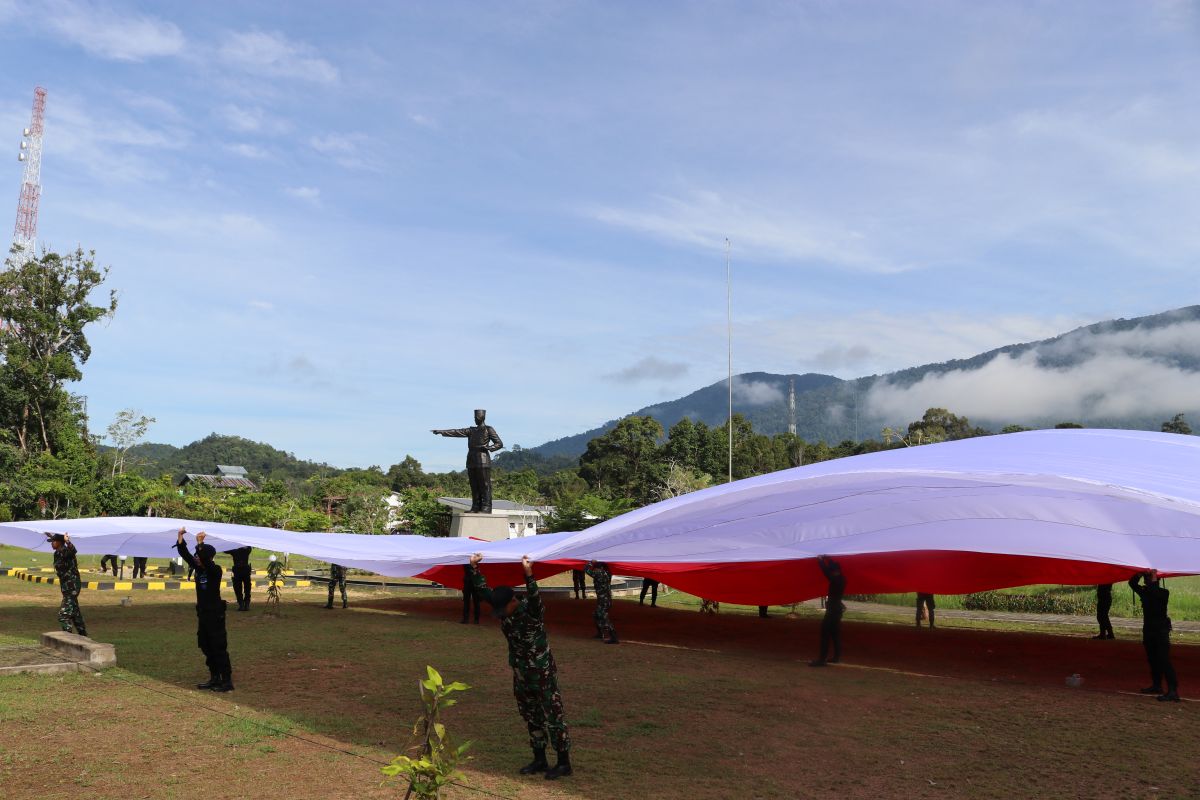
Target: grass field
{"type": "Point", "coordinates": [688, 707]}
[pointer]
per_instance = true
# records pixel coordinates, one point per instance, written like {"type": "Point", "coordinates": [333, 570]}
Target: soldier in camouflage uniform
{"type": "Point", "coordinates": [535, 676]}
{"type": "Point", "coordinates": [601, 577]}
{"type": "Point", "coordinates": [67, 568]}
{"type": "Point", "coordinates": [337, 577]}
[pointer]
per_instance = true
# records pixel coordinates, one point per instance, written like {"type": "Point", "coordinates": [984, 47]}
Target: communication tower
{"type": "Point", "coordinates": [25, 231]}
{"type": "Point", "coordinates": [792, 407]}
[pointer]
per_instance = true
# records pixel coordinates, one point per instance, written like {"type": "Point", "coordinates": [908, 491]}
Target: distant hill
{"type": "Point", "coordinates": [262, 461]}
{"type": "Point", "coordinates": [833, 410]}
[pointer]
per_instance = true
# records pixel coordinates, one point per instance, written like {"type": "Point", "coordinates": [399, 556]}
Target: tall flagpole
{"type": "Point", "coordinates": [729, 340]}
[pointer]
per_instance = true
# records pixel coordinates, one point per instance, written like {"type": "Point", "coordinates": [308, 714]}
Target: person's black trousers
{"type": "Point", "coordinates": [241, 587]}
{"type": "Point", "coordinates": [210, 636]}
{"type": "Point", "coordinates": [469, 595]}
{"type": "Point", "coordinates": [831, 633]}
{"type": "Point", "coordinates": [652, 586]}
{"type": "Point", "coordinates": [1158, 653]}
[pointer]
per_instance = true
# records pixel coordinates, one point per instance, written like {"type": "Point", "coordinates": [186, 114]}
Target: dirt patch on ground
{"type": "Point", "coordinates": [689, 707]}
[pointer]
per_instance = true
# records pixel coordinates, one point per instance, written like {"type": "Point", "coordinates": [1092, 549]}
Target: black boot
{"type": "Point", "coordinates": [225, 684]}
{"type": "Point", "coordinates": [612, 637]}
{"type": "Point", "coordinates": [563, 767]}
{"type": "Point", "coordinates": [329, 604]}
{"type": "Point", "coordinates": [539, 763]}
{"type": "Point", "coordinates": [599, 633]}
{"type": "Point", "coordinates": [1171, 696]}
{"type": "Point", "coordinates": [213, 680]}
{"type": "Point", "coordinates": [344, 604]}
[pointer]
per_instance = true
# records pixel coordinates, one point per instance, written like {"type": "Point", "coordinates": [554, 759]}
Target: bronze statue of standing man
{"type": "Point", "coordinates": [482, 441]}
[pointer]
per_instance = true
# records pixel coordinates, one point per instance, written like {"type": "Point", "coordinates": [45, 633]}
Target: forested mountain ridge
{"type": "Point", "coordinates": [832, 410]}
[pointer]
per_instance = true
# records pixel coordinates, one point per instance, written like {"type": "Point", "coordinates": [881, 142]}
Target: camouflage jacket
{"type": "Point", "coordinates": [601, 578]}
{"type": "Point", "coordinates": [67, 567]}
{"type": "Point", "coordinates": [525, 629]}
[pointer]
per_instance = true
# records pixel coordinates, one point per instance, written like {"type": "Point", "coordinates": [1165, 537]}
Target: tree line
{"type": "Point", "coordinates": [53, 467]}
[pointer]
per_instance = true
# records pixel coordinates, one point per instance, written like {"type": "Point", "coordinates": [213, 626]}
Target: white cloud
{"type": "Point", "coordinates": [346, 149]}
{"type": "Point", "coordinates": [251, 119]}
{"type": "Point", "coordinates": [423, 120]}
{"type": "Point", "coordinates": [106, 33]}
{"type": "Point", "coordinates": [1122, 373]}
{"type": "Point", "coordinates": [706, 219]}
{"type": "Point", "coordinates": [109, 143]}
{"type": "Point", "coordinates": [755, 393]}
{"type": "Point", "coordinates": [309, 194]}
{"type": "Point", "coordinates": [650, 368]}
{"type": "Point", "coordinates": [262, 305]}
{"type": "Point", "coordinates": [273, 55]}
{"type": "Point", "coordinates": [246, 150]}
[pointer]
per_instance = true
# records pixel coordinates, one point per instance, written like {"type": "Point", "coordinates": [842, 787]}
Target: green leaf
{"type": "Point", "coordinates": [440, 730]}
{"type": "Point", "coordinates": [434, 676]}
{"type": "Point", "coordinates": [457, 686]}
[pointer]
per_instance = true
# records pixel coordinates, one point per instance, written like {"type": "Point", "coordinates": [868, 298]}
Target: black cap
{"type": "Point", "coordinates": [206, 552]}
{"type": "Point", "coordinates": [56, 537]}
{"type": "Point", "coordinates": [501, 597]}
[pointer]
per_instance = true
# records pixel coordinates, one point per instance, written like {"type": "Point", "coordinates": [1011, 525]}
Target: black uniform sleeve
{"type": "Point", "coordinates": [1138, 589]}
{"type": "Point", "coordinates": [181, 548]}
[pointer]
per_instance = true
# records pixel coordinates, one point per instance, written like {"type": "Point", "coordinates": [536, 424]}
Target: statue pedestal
{"type": "Point", "coordinates": [489, 527]}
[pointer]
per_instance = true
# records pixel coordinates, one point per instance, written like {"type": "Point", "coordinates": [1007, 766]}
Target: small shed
{"type": "Point", "coordinates": [226, 477]}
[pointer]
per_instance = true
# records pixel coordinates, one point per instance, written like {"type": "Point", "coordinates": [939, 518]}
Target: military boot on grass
{"type": "Point", "coordinates": [213, 680]}
{"type": "Point", "coordinates": [539, 763]}
{"type": "Point", "coordinates": [562, 768]}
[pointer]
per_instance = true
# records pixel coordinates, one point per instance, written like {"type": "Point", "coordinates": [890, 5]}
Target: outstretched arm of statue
{"type": "Point", "coordinates": [455, 432]}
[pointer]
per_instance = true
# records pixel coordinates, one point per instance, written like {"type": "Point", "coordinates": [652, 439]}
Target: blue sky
{"type": "Point", "coordinates": [335, 226]}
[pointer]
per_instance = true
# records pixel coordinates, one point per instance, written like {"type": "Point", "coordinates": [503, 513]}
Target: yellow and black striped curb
{"type": "Point", "coordinates": [151, 586]}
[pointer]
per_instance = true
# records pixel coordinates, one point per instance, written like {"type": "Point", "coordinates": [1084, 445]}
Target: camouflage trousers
{"type": "Point", "coordinates": [600, 615]}
{"type": "Point", "coordinates": [338, 584]}
{"type": "Point", "coordinates": [709, 606]}
{"type": "Point", "coordinates": [69, 613]}
{"type": "Point", "coordinates": [541, 707]}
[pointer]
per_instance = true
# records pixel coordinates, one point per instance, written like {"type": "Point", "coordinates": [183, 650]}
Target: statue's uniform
{"type": "Point", "coordinates": [481, 441]}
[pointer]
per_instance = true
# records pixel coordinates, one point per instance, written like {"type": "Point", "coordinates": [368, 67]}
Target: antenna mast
{"type": "Point", "coordinates": [792, 407]}
{"type": "Point", "coordinates": [25, 231]}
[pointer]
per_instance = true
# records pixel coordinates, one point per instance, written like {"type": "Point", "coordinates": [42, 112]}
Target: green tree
{"type": "Point", "coordinates": [627, 461]}
{"type": "Point", "coordinates": [126, 430]}
{"type": "Point", "coordinates": [407, 473]}
{"type": "Point", "coordinates": [423, 513]}
{"type": "Point", "coordinates": [46, 306]}
{"type": "Point", "coordinates": [1177, 424]}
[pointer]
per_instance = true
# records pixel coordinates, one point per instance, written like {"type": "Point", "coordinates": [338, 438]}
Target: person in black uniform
{"type": "Point", "coordinates": [1103, 604]}
{"type": "Point", "coordinates": [651, 585]}
{"type": "Point", "coordinates": [139, 566]}
{"type": "Point", "coordinates": [925, 604]}
{"type": "Point", "coordinates": [579, 583]}
{"type": "Point", "coordinates": [469, 594]}
{"type": "Point", "coordinates": [241, 576]}
{"type": "Point", "coordinates": [105, 560]}
{"type": "Point", "coordinates": [831, 625]}
{"type": "Point", "coordinates": [210, 612]}
{"type": "Point", "coordinates": [1156, 634]}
